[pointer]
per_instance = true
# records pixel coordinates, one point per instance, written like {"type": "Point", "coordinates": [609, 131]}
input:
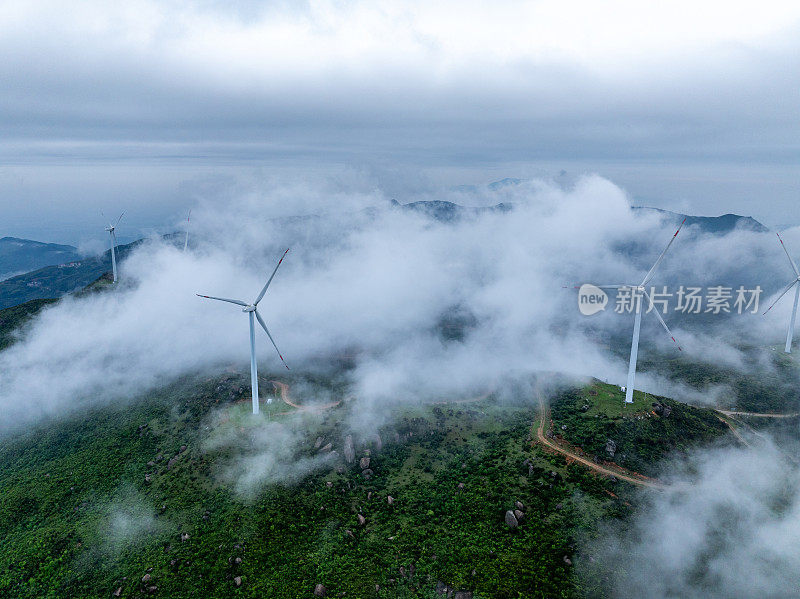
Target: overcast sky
{"type": "Point", "coordinates": [150, 106]}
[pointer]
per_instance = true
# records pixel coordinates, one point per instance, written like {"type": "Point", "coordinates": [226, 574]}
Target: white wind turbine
{"type": "Point", "coordinates": [186, 241]}
{"type": "Point", "coordinates": [794, 283]}
{"type": "Point", "coordinates": [252, 310]}
{"type": "Point", "coordinates": [637, 291]}
{"type": "Point", "coordinates": [110, 229]}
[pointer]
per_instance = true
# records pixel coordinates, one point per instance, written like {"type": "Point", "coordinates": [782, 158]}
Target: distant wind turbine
{"type": "Point", "coordinates": [251, 309]}
{"type": "Point", "coordinates": [794, 283]}
{"type": "Point", "coordinates": [186, 241]}
{"type": "Point", "coordinates": [110, 229]}
{"type": "Point", "coordinates": [637, 292]}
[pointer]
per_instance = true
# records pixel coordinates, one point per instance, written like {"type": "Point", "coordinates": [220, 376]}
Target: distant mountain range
{"type": "Point", "coordinates": [18, 256]}
{"type": "Point", "coordinates": [51, 270]}
{"type": "Point", "coordinates": [718, 225]}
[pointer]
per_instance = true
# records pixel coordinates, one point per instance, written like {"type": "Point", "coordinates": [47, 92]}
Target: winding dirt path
{"type": "Point", "coordinates": [284, 389]}
{"type": "Point", "coordinates": [759, 414]}
{"type": "Point", "coordinates": [618, 472]}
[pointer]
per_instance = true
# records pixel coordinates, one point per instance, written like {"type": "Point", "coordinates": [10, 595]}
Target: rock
{"type": "Point", "coordinates": [511, 519]}
{"type": "Point", "coordinates": [611, 447]}
{"type": "Point", "coordinates": [361, 520]}
{"type": "Point", "coordinates": [463, 595]}
{"type": "Point", "coordinates": [378, 443]}
{"type": "Point", "coordinates": [567, 560]}
{"type": "Point", "coordinates": [152, 589]}
{"type": "Point", "coordinates": [364, 463]}
{"type": "Point", "coordinates": [182, 449]}
{"type": "Point", "coordinates": [367, 473]}
{"type": "Point", "coordinates": [349, 450]}
{"type": "Point", "coordinates": [389, 499]}
{"type": "Point", "coordinates": [118, 592]}
{"type": "Point", "coordinates": [327, 447]}
{"type": "Point", "coordinates": [519, 515]}
{"type": "Point", "coordinates": [146, 578]}
{"type": "Point", "coordinates": [667, 411]}
{"type": "Point", "coordinates": [237, 561]}
{"type": "Point", "coordinates": [329, 484]}
{"type": "Point", "coordinates": [563, 427]}
{"type": "Point", "coordinates": [519, 505]}
{"type": "Point", "coordinates": [147, 478]}
{"type": "Point", "coordinates": [442, 588]}
{"type": "Point", "coordinates": [171, 462]}
{"type": "Point", "coordinates": [530, 469]}
{"type": "Point", "coordinates": [184, 536]}
{"type": "Point", "coordinates": [151, 463]}
{"type": "Point", "coordinates": [237, 581]}
{"type": "Point", "coordinates": [369, 495]}
{"type": "Point", "coordinates": [319, 590]}
{"type": "Point", "coordinates": [350, 534]}
{"type": "Point", "coordinates": [318, 443]}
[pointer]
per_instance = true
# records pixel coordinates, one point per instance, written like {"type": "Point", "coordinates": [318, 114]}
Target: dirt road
{"type": "Point", "coordinates": [618, 472]}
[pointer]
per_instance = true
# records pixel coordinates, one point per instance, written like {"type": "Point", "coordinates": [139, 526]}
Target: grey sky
{"type": "Point", "coordinates": [148, 106]}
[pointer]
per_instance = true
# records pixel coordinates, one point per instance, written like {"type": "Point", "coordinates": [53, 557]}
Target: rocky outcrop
{"type": "Point", "coordinates": [611, 447]}
{"type": "Point", "coordinates": [511, 519]}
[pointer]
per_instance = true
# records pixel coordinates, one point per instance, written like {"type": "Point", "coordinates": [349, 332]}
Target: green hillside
{"type": "Point", "coordinates": [159, 495]}
{"type": "Point", "coordinates": [636, 436]}
{"type": "Point", "coordinates": [56, 281]}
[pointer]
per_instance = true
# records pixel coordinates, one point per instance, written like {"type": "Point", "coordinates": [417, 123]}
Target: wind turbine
{"type": "Point", "coordinates": [186, 241]}
{"type": "Point", "coordinates": [637, 291]}
{"type": "Point", "coordinates": [794, 283]}
{"type": "Point", "coordinates": [252, 310]}
{"type": "Point", "coordinates": [110, 229]}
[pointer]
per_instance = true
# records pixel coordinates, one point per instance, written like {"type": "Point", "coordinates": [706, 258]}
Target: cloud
{"type": "Point", "coordinates": [381, 283]}
{"type": "Point", "coordinates": [726, 527]}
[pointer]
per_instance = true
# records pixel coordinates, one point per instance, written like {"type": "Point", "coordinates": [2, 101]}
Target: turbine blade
{"type": "Point", "coordinates": [652, 271]}
{"type": "Point", "coordinates": [794, 266]}
{"type": "Point", "coordinates": [661, 320]}
{"type": "Point", "coordinates": [222, 299]}
{"type": "Point", "coordinates": [785, 291]}
{"type": "Point", "coordinates": [266, 330]}
{"type": "Point", "coordinates": [600, 286]}
{"type": "Point", "coordinates": [120, 218]}
{"type": "Point", "coordinates": [263, 291]}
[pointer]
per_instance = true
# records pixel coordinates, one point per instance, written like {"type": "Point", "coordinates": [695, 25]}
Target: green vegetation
{"type": "Point", "coordinates": [753, 388]}
{"type": "Point", "coordinates": [79, 517]}
{"type": "Point", "coordinates": [57, 281]}
{"type": "Point", "coordinates": [642, 433]}
{"type": "Point", "coordinates": [11, 319]}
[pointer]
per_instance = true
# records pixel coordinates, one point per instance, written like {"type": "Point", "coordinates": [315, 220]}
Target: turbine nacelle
{"type": "Point", "coordinates": [250, 308]}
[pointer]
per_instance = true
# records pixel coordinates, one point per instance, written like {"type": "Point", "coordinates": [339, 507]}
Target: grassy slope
{"type": "Point", "coordinates": [597, 413]}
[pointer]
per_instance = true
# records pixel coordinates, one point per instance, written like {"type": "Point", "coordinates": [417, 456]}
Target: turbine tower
{"type": "Point", "coordinates": [637, 292]}
{"type": "Point", "coordinates": [110, 229]}
{"type": "Point", "coordinates": [252, 311]}
{"type": "Point", "coordinates": [186, 241]}
{"type": "Point", "coordinates": [796, 285]}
